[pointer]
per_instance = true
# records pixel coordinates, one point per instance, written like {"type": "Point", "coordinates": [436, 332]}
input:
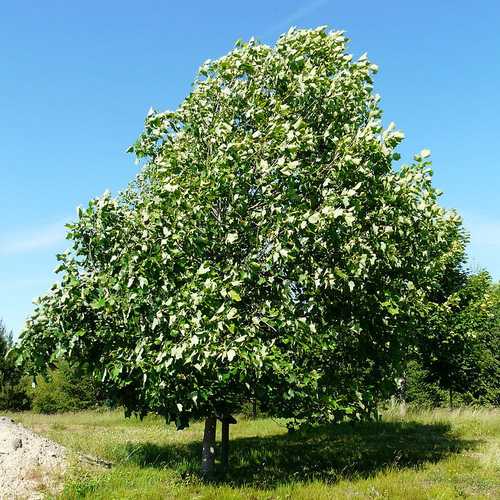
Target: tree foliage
{"type": "Point", "coordinates": [460, 350]}
{"type": "Point", "coordinates": [13, 390]}
{"type": "Point", "coordinates": [267, 248]}
{"type": "Point", "coordinates": [65, 388]}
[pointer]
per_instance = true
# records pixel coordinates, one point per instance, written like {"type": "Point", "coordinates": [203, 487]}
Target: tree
{"type": "Point", "coordinates": [13, 393]}
{"type": "Point", "coordinates": [5, 345]}
{"type": "Point", "coordinates": [267, 248]}
{"type": "Point", "coordinates": [460, 348]}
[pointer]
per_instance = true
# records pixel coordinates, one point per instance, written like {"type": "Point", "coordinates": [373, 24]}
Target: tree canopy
{"type": "Point", "coordinates": [13, 394]}
{"type": "Point", "coordinates": [268, 248]}
{"type": "Point", "coordinates": [460, 348]}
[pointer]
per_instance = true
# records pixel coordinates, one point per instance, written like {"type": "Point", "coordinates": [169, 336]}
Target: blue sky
{"type": "Point", "coordinates": [78, 78]}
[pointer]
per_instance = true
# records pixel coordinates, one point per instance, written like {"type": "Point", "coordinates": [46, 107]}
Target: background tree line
{"type": "Point", "coordinates": [458, 361]}
{"type": "Point", "coordinates": [64, 388]}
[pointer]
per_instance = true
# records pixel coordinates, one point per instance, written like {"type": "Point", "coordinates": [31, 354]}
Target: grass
{"type": "Point", "coordinates": [436, 454]}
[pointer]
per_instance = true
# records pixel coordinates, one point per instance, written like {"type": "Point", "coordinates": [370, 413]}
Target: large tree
{"type": "Point", "coordinates": [267, 249]}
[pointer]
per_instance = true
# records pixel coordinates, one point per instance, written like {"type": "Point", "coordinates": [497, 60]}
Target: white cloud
{"type": "Point", "coordinates": [298, 14]}
{"type": "Point", "coordinates": [30, 240]}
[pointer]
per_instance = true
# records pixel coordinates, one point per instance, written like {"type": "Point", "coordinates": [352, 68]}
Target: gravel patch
{"type": "Point", "coordinates": [29, 463]}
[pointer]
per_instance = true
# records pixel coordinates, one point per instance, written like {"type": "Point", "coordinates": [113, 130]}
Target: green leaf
{"type": "Point", "coordinates": [231, 238]}
{"type": "Point", "coordinates": [231, 313]}
{"type": "Point", "coordinates": [171, 188]}
{"type": "Point", "coordinates": [314, 218]}
{"type": "Point", "coordinates": [203, 269]}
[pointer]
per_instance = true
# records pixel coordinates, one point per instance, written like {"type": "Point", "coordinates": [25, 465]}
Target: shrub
{"type": "Point", "coordinates": [65, 389]}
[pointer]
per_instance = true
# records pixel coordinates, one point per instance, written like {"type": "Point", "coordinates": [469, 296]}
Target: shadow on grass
{"type": "Point", "coordinates": [325, 453]}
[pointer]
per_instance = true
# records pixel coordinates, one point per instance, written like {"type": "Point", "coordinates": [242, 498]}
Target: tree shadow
{"type": "Point", "coordinates": [324, 453]}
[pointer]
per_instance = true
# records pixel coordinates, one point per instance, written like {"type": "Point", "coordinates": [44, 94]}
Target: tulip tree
{"type": "Point", "coordinates": [268, 249]}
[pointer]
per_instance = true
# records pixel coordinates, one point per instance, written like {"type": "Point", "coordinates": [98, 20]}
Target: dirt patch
{"type": "Point", "coordinates": [29, 464]}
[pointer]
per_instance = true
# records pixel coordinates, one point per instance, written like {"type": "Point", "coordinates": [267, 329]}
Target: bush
{"type": "Point", "coordinates": [65, 389]}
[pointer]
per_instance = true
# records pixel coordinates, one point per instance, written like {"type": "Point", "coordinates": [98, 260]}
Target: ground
{"type": "Point", "coordinates": [30, 465]}
{"type": "Point", "coordinates": [423, 454]}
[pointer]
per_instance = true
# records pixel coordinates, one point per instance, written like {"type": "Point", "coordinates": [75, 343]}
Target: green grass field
{"type": "Point", "coordinates": [436, 454]}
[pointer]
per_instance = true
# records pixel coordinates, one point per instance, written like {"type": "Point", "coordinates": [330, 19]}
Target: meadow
{"type": "Point", "coordinates": [415, 454]}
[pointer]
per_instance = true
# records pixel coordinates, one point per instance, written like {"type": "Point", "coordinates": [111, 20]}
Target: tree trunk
{"type": "Point", "coordinates": [254, 408]}
{"type": "Point", "coordinates": [451, 398]}
{"type": "Point", "coordinates": [225, 444]}
{"type": "Point", "coordinates": [208, 451]}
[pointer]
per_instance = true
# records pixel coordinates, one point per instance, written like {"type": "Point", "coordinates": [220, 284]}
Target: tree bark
{"type": "Point", "coordinates": [254, 408]}
{"type": "Point", "coordinates": [225, 444]}
{"type": "Point", "coordinates": [451, 398]}
{"type": "Point", "coordinates": [208, 451]}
